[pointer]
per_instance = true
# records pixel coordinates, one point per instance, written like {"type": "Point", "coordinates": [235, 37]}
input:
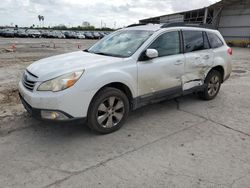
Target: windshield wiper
{"type": "Point", "coordinates": [106, 54]}
{"type": "Point", "coordinates": [100, 53]}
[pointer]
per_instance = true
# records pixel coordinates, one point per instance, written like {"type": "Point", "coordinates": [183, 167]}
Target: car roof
{"type": "Point", "coordinates": [157, 27]}
{"type": "Point", "coordinates": [148, 27]}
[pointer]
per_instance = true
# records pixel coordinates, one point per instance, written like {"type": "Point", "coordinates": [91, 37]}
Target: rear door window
{"type": "Point", "coordinates": [214, 40]}
{"type": "Point", "coordinates": [194, 41]}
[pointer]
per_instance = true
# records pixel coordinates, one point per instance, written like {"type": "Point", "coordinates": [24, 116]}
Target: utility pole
{"type": "Point", "coordinates": [205, 16]}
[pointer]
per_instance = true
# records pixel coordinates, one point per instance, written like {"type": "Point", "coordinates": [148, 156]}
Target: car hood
{"type": "Point", "coordinates": [54, 66]}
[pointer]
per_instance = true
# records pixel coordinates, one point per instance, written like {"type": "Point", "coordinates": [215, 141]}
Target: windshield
{"type": "Point", "coordinates": [123, 43]}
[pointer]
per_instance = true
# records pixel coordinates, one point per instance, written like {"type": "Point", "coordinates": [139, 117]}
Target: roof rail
{"type": "Point", "coordinates": [183, 24]}
{"type": "Point", "coordinates": [133, 25]}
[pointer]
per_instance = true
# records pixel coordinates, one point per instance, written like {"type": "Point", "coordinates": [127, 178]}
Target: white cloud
{"type": "Point", "coordinates": [74, 12]}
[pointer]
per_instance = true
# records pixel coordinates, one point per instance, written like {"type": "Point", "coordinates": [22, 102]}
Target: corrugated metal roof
{"type": "Point", "coordinates": [225, 2]}
{"type": "Point", "coordinates": [173, 14]}
{"type": "Point", "coordinates": [218, 4]}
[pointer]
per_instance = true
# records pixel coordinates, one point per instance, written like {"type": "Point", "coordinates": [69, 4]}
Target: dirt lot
{"type": "Point", "coordinates": [180, 143]}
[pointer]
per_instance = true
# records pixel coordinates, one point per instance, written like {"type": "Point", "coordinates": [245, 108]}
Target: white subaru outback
{"type": "Point", "coordinates": [126, 70]}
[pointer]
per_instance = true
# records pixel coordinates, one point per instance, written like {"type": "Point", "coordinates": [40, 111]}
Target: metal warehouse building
{"type": "Point", "coordinates": [230, 17]}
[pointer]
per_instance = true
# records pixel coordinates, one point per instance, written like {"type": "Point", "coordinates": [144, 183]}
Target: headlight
{"type": "Point", "coordinates": [61, 82]}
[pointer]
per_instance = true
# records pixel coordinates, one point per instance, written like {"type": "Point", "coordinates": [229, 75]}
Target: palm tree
{"type": "Point", "coordinates": [41, 18]}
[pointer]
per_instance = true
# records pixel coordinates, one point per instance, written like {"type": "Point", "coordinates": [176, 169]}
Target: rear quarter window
{"type": "Point", "coordinates": [214, 40]}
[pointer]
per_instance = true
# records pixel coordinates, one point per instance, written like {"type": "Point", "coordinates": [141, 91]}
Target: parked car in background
{"type": "Point", "coordinates": [96, 35]}
{"type": "Point", "coordinates": [8, 33]}
{"type": "Point", "coordinates": [70, 34]}
{"type": "Point", "coordinates": [51, 34]}
{"type": "Point", "coordinates": [1, 32]}
{"type": "Point", "coordinates": [60, 35]}
{"type": "Point", "coordinates": [102, 34]}
{"type": "Point", "coordinates": [21, 33]}
{"type": "Point", "coordinates": [56, 34]}
{"type": "Point", "coordinates": [88, 35]}
{"type": "Point", "coordinates": [33, 33]}
{"type": "Point", "coordinates": [107, 33]}
{"type": "Point", "coordinates": [44, 33]}
{"type": "Point", "coordinates": [80, 35]}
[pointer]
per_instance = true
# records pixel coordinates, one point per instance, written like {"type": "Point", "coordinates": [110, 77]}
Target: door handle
{"type": "Point", "coordinates": [178, 62]}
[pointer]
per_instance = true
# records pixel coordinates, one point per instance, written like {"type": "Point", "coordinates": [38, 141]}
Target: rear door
{"type": "Point", "coordinates": [199, 58]}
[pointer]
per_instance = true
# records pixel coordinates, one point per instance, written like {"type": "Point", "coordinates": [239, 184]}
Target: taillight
{"type": "Point", "coordinates": [230, 51]}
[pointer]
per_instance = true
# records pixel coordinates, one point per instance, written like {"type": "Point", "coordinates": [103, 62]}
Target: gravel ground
{"type": "Point", "coordinates": [13, 64]}
{"type": "Point", "coordinates": [179, 143]}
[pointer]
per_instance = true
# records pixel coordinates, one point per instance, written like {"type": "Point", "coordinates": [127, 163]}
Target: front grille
{"type": "Point", "coordinates": [28, 83]}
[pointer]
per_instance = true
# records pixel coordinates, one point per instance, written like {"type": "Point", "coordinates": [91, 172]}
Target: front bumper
{"type": "Point", "coordinates": [32, 111]}
{"type": "Point", "coordinates": [226, 77]}
{"type": "Point", "coordinates": [36, 113]}
{"type": "Point", "coordinates": [72, 102]}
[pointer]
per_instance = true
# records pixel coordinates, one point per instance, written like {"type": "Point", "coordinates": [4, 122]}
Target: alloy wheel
{"type": "Point", "coordinates": [110, 112]}
{"type": "Point", "coordinates": [213, 86]}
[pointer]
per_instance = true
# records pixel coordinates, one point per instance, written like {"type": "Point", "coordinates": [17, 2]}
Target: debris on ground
{"type": "Point", "coordinates": [5, 50]}
{"type": "Point", "coordinates": [9, 96]}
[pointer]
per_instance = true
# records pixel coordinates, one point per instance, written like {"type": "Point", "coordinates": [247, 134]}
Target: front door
{"type": "Point", "coordinates": [162, 74]}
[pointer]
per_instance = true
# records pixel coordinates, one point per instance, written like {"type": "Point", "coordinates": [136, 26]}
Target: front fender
{"type": "Point", "coordinates": [96, 80]}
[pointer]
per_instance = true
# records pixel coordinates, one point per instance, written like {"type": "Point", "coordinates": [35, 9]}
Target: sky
{"type": "Point", "coordinates": [112, 13]}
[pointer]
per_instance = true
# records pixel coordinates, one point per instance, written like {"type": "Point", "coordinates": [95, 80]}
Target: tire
{"type": "Point", "coordinates": [212, 85]}
{"type": "Point", "coordinates": [108, 111]}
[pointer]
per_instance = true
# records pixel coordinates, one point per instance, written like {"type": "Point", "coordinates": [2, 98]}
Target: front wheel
{"type": "Point", "coordinates": [212, 85]}
{"type": "Point", "coordinates": [108, 111]}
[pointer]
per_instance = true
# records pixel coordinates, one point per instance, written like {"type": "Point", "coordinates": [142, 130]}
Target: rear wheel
{"type": "Point", "coordinates": [108, 111]}
{"type": "Point", "coordinates": [212, 85]}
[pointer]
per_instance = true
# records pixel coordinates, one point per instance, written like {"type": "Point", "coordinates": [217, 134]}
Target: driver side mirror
{"type": "Point", "coordinates": [152, 53]}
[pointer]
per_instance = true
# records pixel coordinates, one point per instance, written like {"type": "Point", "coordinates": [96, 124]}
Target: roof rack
{"type": "Point", "coordinates": [183, 24]}
{"type": "Point", "coordinates": [133, 25]}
